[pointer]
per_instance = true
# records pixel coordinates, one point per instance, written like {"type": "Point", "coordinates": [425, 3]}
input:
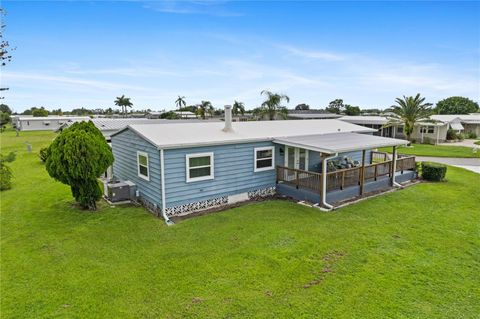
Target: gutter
{"type": "Point", "coordinates": [162, 181]}
{"type": "Point", "coordinates": [324, 181]}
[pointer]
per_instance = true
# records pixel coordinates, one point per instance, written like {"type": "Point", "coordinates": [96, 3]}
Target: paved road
{"type": "Point", "coordinates": [472, 164]}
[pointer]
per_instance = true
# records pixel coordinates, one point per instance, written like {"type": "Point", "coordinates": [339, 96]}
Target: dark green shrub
{"type": "Point", "coordinates": [471, 135]}
{"type": "Point", "coordinates": [451, 135]}
{"type": "Point", "coordinates": [43, 154]}
{"type": "Point", "coordinates": [77, 157]}
{"type": "Point", "coordinates": [6, 171]}
{"type": "Point", "coordinates": [433, 171]}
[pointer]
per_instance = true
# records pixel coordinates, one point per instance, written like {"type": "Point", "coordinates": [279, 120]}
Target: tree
{"type": "Point", "coordinates": [272, 107]}
{"type": "Point", "coordinates": [456, 105]}
{"type": "Point", "coordinates": [5, 109]}
{"type": "Point", "coordinates": [238, 108]}
{"type": "Point", "coordinates": [409, 111]}
{"type": "Point", "coordinates": [204, 108]}
{"type": "Point", "coordinates": [5, 171]}
{"type": "Point", "coordinates": [180, 103]}
{"type": "Point", "coordinates": [5, 50]}
{"type": "Point", "coordinates": [77, 157]}
{"type": "Point", "coordinates": [57, 112]}
{"type": "Point", "coordinates": [302, 107]}
{"type": "Point", "coordinates": [335, 106]}
{"type": "Point", "coordinates": [38, 112]}
{"type": "Point", "coordinates": [170, 115]}
{"type": "Point", "coordinates": [352, 110]}
{"type": "Point", "coordinates": [4, 119]}
{"type": "Point", "coordinates": [124, 103]}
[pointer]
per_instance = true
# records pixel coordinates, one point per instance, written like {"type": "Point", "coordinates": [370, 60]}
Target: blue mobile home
{"type": "Point", "coordinates": [183, 168]}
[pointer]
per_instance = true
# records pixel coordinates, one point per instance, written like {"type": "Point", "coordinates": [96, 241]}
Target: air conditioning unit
{"type": "Point", "coordinates": [120, 191]}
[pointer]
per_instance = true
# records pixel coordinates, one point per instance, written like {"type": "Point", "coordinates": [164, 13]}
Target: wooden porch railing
{"type": "Point", "coordinates": [338, 180]}
{"type": "Point", "coordinates": [299, 178]}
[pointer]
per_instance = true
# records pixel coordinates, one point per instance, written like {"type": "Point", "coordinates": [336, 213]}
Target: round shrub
{"type": "Point", "coordinates": [433, 171]}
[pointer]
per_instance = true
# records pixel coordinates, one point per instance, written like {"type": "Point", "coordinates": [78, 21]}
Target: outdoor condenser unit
{"type": "Point", "coordinates": [120, 191]}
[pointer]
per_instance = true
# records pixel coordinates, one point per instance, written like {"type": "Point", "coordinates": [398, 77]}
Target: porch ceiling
{"type": "Point", "coordinates": [339, 142]}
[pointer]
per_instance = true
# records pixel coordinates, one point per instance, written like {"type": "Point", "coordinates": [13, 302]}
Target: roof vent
{"type": "Point", "coordinates": [228, 119]}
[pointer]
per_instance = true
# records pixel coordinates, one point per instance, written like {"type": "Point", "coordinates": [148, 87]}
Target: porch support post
{"type": "Point", "coordinates": [324, 181]}
{"type": "Point", "coordinates": [362, 179]}
{"type": "Point", "coordinates": [394, 165]}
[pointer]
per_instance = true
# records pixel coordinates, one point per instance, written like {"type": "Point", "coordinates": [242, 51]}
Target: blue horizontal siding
{"type": "Point", "coordinates": [125, 146]}
{"type": "Point", "coordinates": [233, 173]}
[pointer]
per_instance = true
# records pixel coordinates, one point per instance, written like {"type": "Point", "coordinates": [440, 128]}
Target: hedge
{"type": "Point", "coordinates": [433, 171]}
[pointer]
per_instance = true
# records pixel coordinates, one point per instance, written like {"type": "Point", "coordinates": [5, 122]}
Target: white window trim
{"type": "Point", "coordinates": [147, 178]}
{"type": "Point", "coordinates": [267, 148]}
{"type": "Point", "coordinates": [202, 178]}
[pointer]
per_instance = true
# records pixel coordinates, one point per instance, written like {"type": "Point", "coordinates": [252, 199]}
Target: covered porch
{"type": "Point", "coordinates": [332, 183]}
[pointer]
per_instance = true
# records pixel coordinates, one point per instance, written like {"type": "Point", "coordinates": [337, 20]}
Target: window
{"type": "Point", "coordinates": [142, 163]}
{"type": "Point", "coordinates": [399, 129]}
{"type": "Point", "coordinates": [427, 129]}
{"type": "Point", "coordinates": [264, 158]}
{"type": "Point", "coordinates": [199, 167]}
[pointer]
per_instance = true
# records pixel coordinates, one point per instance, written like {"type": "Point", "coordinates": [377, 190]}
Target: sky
{"type": "Point", "coordinates": [73, 54]}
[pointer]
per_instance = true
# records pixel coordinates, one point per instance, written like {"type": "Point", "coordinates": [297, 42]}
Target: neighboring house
{"type": "Point", "coordinates": [310, 115]}
{"type": "Point", "coordinates": [186, 114]}
{"type": "Point", "coordinates": [466, 123]}
{"type": "Point", "coordinates": [154, 115]}
{"type": "Point", "coordinates": [182, 168]}
{"type": "Point", "coordinates": [47, 123]}
{"type": "Point", "coordinates": [378, 123]}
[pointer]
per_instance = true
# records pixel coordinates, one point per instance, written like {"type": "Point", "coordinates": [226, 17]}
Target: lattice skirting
{"type": "Point", "coordinates": [215, 202]}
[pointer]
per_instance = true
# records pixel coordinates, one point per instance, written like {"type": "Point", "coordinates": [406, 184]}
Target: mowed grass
{"type": "Point", "coordinates": [414, 253]}
{"type": "Point", "coordinates": [435, 150]}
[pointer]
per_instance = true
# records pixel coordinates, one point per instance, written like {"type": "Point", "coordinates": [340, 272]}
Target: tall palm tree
{"type": "Point", "coordinates": [409, 111]}
{"type": "Point", "coordinates": [204, 108]}
{"type": "Point", "coordinates": [124, 103]}
{"type": "Point", "coordinates": [238, 107]}
{"type": "Point", "coordinates": [180, 103]}
{"type": "Point", "coordinates": [272, 107]}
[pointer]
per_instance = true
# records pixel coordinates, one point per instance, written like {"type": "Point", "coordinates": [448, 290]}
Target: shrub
{"type": "Point", "coordinates": [44, 153]}
{"type": "Point", "coordinates": [433, 171]}
{"type": "Point", "coordinates": [471, 135]}
{"type": "Point", "coordinates": [451, 135]}
{"type": "Point", "coordinates": [5, 171]}
{"type": "Point", "coordinates": [77, 157]}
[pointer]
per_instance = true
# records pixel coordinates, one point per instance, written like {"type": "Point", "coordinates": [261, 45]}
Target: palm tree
{"type": "Point", "coordinates": [123, 102]}
{"type": "Point", "coordinates": [271, 107]}
{"type": "Point", "coordinates": [204, 108]}
{"type": "Point", "coordinates": [409, 111]}
{"type": "Point", "coordinates": [238, 107]}
{"type": "Point", "coordinates": [180, 103]}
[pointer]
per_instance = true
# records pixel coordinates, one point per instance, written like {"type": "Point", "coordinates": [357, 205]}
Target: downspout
{"type": "Point", "coordinates": [324, 181]}
{"type": "Point", "coordinates": [394, 164]}
{"type": "Point", "coordinates": [162, 180]}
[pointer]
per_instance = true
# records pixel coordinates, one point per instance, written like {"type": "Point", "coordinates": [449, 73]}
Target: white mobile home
{"type": "Point", "coordinates": [44, 123]}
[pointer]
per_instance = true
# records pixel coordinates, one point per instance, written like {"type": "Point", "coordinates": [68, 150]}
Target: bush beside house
{"type": "Point", "coordinates": [433, 171]}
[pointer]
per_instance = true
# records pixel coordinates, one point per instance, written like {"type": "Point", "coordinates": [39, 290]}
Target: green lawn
{"type": "Point", "coordinates": [435, 150]}
{"type": "Point", "coordinates": [414, 253]}
{"type": "Point", "coordinates": [477, 143]}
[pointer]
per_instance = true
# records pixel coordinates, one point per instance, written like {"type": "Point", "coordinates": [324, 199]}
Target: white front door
{"type": "Point", "coordinates": [296, 158]}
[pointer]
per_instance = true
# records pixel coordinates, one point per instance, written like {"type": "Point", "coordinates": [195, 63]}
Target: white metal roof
{"type": "Point", "coordinates": [53, 117]}
{"type": "Point", "coordinates": [201, 134]}
{"type": "Point", "coordinates": [379, 120]}
{"type": "Point", "coordinates": [339, 142]}
{"type": "Point", "coordinates": [464, 118]}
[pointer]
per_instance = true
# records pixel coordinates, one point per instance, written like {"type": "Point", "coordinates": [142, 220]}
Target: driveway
{"type": "Point", "coordinates": [472, 164]}
{"type": "Point", "coordinates": [467, 143]}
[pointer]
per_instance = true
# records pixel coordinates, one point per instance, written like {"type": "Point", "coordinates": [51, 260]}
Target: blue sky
{"type": "Point", "coordinates": [85, 53]}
